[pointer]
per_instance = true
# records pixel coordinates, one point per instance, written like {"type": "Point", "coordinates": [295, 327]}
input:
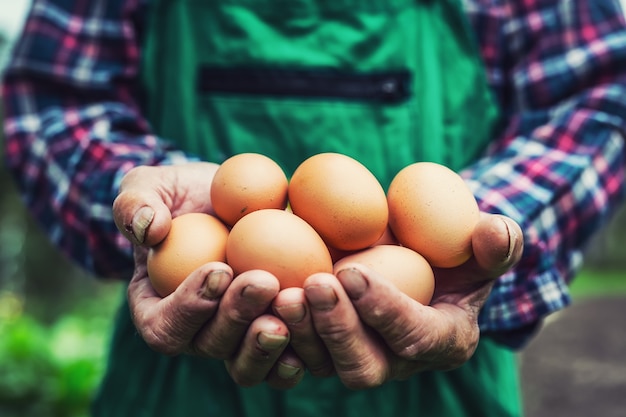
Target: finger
{"type": "Point", "coordinates": [168, 325]}
{"type": "Point", "coordinates": [438, 337]}
{"type": "Point", "coordinates": [150, 195]}
{"type": "Point", "coordinates": [497, 243]}
{"type": "Point", "coordinates": [355, 351]}
{"type": "Point", "coordinates": [249, 296]}
{"type": "Point", "coordinates": [139, 208]}
{"type": "Point", "coordinates": [287, 372]}
{"type": "Point", "coordinates": [291, 306]}
{"type": "Point", "coordinates": [265, 340]}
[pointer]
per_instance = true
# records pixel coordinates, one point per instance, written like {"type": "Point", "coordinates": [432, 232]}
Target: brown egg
{"type": "Point", "coordinates": [433, 212]}
{"type": "Point", "coordinates": [386, 239]}
{"type": "Point", "coordinates": [245, 183]}
{"type": "Point", "coordinates": [407, 269]}
{"type": "Point", "coordinates": [279, 242]}
{"type": "Point", "coordinates": [193, 240]}
{"type": "Point", "coordinates": [341, 199]}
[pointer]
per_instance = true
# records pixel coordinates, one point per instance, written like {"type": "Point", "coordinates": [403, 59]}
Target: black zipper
{"type": "Point", "coordinates": [385, 87]}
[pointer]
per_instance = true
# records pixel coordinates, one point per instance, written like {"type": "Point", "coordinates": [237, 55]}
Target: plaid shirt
{"type": "Point", "coordinates": [557, 68]}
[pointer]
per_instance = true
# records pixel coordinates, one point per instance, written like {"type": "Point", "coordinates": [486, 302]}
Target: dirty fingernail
{"type": "Point", "coordinates": [286, 371]}
{"type": "Point", "coordinates": [353, 282]}
{"type": "Point", "coordinates": [321, 297]}
{"type": "Point", "coordinates": [292, 313]}
{"type": "Point", "coordinates": [257, 294]}
{"type": "Point", "coordinates": [271, 341]}
{"type": "Point", "coordinates": [512, 240]}
{"type": "Point", "coordinates": [141, 220]}
{"type": "Point", "coordinates": [216, 283]}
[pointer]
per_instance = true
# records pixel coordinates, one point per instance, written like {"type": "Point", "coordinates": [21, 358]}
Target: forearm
{"type": "Point", "coordinates": [73, 128]}
{"type": "Point", "coordinates": [68, 174]}
{"type": "Point", "coordinates": [560, 202]}
{"type": "Point", "coordinates": [556, 167]}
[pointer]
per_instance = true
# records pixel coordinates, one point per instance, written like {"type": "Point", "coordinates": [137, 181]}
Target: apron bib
{"type": "Point", "coordinates": [386, 82]}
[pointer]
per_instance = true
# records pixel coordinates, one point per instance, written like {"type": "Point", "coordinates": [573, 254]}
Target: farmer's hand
{"type": "Point", "coordinates": [210, 314]}
{"type": "Point", "coordinates": [361, 327]}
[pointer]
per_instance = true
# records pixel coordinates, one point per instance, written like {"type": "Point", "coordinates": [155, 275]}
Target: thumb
{"type": "Point", "coordinates": [497, 243]}
{"type": "Point", "coordinates": [139, 211]}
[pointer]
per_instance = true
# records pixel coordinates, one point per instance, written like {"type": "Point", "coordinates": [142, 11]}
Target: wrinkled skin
{"type": "Point", "coordinates": [356, 324]}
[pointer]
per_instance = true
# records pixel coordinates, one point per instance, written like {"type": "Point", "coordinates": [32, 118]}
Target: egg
{"type": "Point", "coordinates": [341, 199]}
{"type": "Point", "coordinates": [193, 240]}
{"type": "Point", "coordinates": [405, 268]}
{"type": "Point", "coordinates": [433, 212]}
{"type": "Point", "coordinates": [387, 238]}
{"type": "Point", "coordinates": [245, 183]}
{"type": "Point", "coordinates": [279, 242]}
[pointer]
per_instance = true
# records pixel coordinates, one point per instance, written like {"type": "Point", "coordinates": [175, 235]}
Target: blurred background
{"type": "Point", "coordinates": [55, 320]}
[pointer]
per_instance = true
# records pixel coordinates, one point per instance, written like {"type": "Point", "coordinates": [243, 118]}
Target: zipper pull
{"type": "Point", "coordinates": [393, 90]}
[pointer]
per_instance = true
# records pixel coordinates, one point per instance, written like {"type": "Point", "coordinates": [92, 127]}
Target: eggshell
{"type": "Point", "coordinates": [245, 183]}
{"type": "Point", "coordinates": [279, 242]}
{"type": "Point", "coordinates": [341, 199]}
{"type": "Point", "coordinates": [193, 240]}
{"type": "Point", "coordinates": [386, 239]}
{"type": "Point", "coordinates": [407, 269]}
{"type": "Point", "coordinates": [433, 212]}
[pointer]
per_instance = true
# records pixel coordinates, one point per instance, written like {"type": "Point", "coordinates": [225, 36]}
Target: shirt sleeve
{"type": "Point", "coordinates": [72, 125]}
{"type": "Point", "coordinates": [558, 71]}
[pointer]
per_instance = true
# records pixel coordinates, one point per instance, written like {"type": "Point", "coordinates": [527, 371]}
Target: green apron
{"type": "Point", "coordinates": [388, 82]}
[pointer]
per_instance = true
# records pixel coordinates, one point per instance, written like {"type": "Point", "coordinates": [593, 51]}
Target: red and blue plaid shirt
{"type": "Point", "coordinates": [557, 68]}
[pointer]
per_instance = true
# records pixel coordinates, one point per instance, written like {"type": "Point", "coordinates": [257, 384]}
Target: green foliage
{"type": "Point", "coordinates": [595, 282]}
{"type": "Point", "coordinates": [55, 319]}
{"type": "Point", "coordinates": [50, 370]}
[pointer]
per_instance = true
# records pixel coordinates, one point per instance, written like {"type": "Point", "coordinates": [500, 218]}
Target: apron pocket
{"type": "Point", "coordinates": [388, 87]}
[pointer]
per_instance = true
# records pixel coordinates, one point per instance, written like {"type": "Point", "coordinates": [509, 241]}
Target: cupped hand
{"type": "Point", "coordinates": [358, 325]}
{"type": "Point", "coordinates": [149, 196]}
{"type": "Point", "coordinates": [210, 314]}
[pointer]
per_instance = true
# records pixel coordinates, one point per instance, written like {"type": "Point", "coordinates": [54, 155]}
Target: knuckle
{"type": "Point", "coordinates": [458, 350]}
{"type": "Point", "coordinates": [364, 379]}
{"type": "Point", "coordinates": [242, 378]}
{"type": "Point", "coordinates": [159, 342]}
{"type": "Point", "coordinates": [364, 372]}
{"type": "Point", "coordinates": [209, 343]}
{"type": "Point", "coordinates": [210, 348]}
{"type": "Point", "coordinates": [410, 351]}
{"type": "Point", "coordinates": [335, 334]}
{"type": "Point", "coordinates": [382, 317]}
{"type": "Point", "coordinates": [413, 344]}
{"type": "Point", "coordinates": [448, 350]}
{"type": "Point", "coordinates": [322, 370]}
{"type": "Point", "coordinates": [239, 319]}
{"type": "Point", "coordinates": [157, 334]}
